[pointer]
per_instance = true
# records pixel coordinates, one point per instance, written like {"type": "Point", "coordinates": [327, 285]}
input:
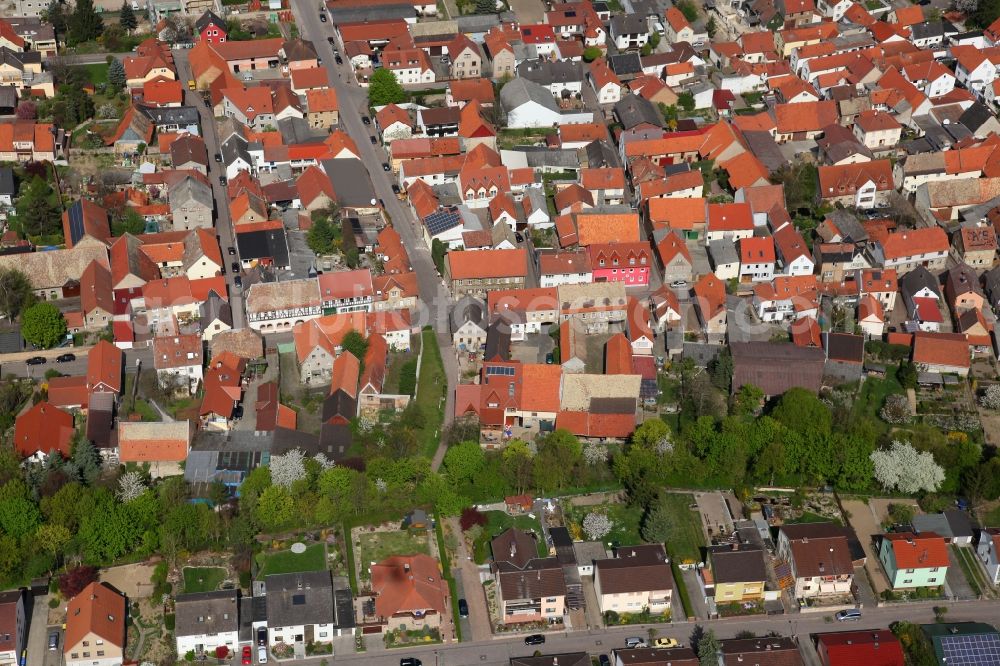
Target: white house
{"type": "Point", "coordinates": [988, 551]}
{"type": "Point", "coordinates": [178, 361]}
{"type": "Point", "coordinates": [301, 609]}
{"type": "Point", "coordinates": [786, 298]}
{"type": "Point", "coordinates": [638, 578]}
{"type": "Point", "coordinates": [205, 621]}
{"type": "Point", "coordinates": [820, 559]}
{"type": "Point", "coordinates": [529, 104]}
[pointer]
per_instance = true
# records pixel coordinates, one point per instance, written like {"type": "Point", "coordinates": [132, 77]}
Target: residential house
{"type": "Point", "coordinates": [178, 362]}
{"type": "Point", "coordinates": [878, 647]}
{"type": "Point", "coordinates": [638, 579]}
{"type": "Point", "coordinates": [709, 296]}
{"type": "Point", "coordinates": [307, 607]}
{"type": "Point", "coordinates": [773, 651]}
{"type": "Point", "coordinates": [628, 31]}
{"type": "Point", "coordinates": [206, 621]}
{"type": "Point", "coordinates": [13, 627]}
{"type": "Point", "coordinates": [757, 259]}
{"type": "Point", "coordinates": [532, 588]}
{"type": "Point", "coordinates": [410, 592]}
{"type": "Point", "coordinates": [861, 185]}
{"type": "Point", "coordinates": [477, 273]}
{"type": "Point", "coordinates": [941, 353]}
{"type": "Point", "coordinates": [674, 256]}
{"type": "Point", "coordinates": [188, 152]}
{"type": "Point", "coordinates": [820, 560]}
{"type": "Point", "coordinates": [735, 573]}
{"type": "Point", "coordinates": [471, 333]}
{"type": "Point", "coordinates": [95, 627]}
{"type": "Point", "coordinates": [914, 560]}
{"type": "Point", "coordinates": [42, 430]}
{"type": "Point", "coordinates": [877, 130]}
{"type": "Point", "coordinates": [322, 108]}
{"type": "Point", "coordinates": [905, 250]}
{"type": "Point", "coordinates": [346, 291]}
{"type": "Point", "coordinates": [162, 445]}
{"type": "Point", "coordinates": [988, 551]}
{"type": "Point", "coordinates": [621, 262]}
{"type": "Point", "coordinates": [962, 290]}
{"type": "Point", "coordinates": [466, 59]}
{"type": "Point", "coordinates": [191, 204]}
{"type": "Point", "coordinates": [274, 306]}
{"type": "Point", "coordinates": [871, 317]}
{"type": "Point", "coordinates": [85, 221]}
{"type": "Point", "coordinates": [976, 246]}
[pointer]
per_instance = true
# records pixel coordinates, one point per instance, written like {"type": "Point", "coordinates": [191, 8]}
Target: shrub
{"type": "Point", "coordinates": [471, 516]}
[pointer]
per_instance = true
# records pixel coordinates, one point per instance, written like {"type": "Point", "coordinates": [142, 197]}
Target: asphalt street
{"type": "Point", "coordinates": [435, 307]}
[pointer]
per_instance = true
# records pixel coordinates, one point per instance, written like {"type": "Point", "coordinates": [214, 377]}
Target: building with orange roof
{"type": "Point", "coordinates": [557, 267]}
{"type": "Point", "coordinates": [709, 297]}
{"type": "Point", "coordinates": [804, 120]}
{"type": "Point", "coordinates": [346, 291]}
{"type": "Point", "coordinates": [674, 256]}
{"type": "Point", "coordinates": [478, 273]}
{"type": "Point", "coordinates": [786, 297]}
{"type": "Point", "coordinates": [862, 185]}
{"type": "Point", "coordinates": [409, 590]}
{"type": "Point", "coordinates": [95, 627]}
{"type": "Point", "coordinates": [462, 91]}
{"type": "Point", "coordinates": [638, 326]}
{"type": "Point", "coordinates": [595, 305]}
{"type": "Point", "coordinates": [681, 214]}
{"type": "Point", "coordinates": [163, 93]}
{"type": "Point", "coordinates": [912, 560]}
{"type": "Point", "coordinates": [945, 353]}
{"type": "Point", "coordinates": [322, 108]}
{"type": "Point", "coordinates": [223, 390]}
{"type": "Point", "coordinates": [733, 221]}
{"type": "Point", "coordinates": [304, 79]}
{"type": "Point", "coordinates": [43, 429]}
{"type": "Point", "coordinates": [523, 310]}
{"type": "Point", "coordinates": [905, 250]}
{"type": "Point", "coordinates": [140, 69]}
{"type": "Point", "coordinates": [757, 258]}
{"type": "Point", "coordinates": [271, 414]}
{"type": "Point", "coordinates": [178, 362]}
{"type": "Point", "coordinates": [85, 221]}
{"type": "Point", "coordinates": [341, 405]}
{"type": "Point", "coordinates": [163, 445]}
{"type": "Point", "coordinates": [871, 317]}
{"type": "Point", "coordinates": [105, 368]}
{"type": "Point", "coordinates": [607, 184]}
{"type": "Point", "coordinates": [618, 355]}
{"type": "Point", "coordinates": [595, 228]}
{"type": "Point", "coordinates": [69, 392]}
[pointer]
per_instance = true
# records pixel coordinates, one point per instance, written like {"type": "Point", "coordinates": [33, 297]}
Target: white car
{"type": "Point", "coordinates": [261, 654]}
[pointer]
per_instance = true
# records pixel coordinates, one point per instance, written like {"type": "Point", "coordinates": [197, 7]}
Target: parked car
{"type": "Point", "coordinates": [329, 40]}
{"type": "Point", "coordinates": [386, 167]}
{"type": "Point", "coordinates": [54, 640]}
{"type": "Point", "coordinates": [635, 642]}
{"type": "Point", "coordinates": [678, 284]}
{"type": "Point", "coordinates": [261, 635]}
{"type": "Point", "coordinates": [409, 661]}
{"type": "Point", "coordinates": [238, 281]}
{"type": "Point", "coordinates": [238, 413]}
{"type": "Point", "coordinates": [340, 61]}
{"type": "Point", "coordinates": [65, 358]}
{"type": "Point", "coordinates": [232, 251]}
{"type": "Point", "coordinates": [261, 654]}
{"type": "Point", "coordinates": [36, 360]}
{"type": "Point", "coordinates": [665, 643]}
{"type": "Point", "coordinates": [322, 17]}
{"type": "Point", "coordinates": [849, 615]}
{"type": "Point", "coordinates": [605, 661]}
{"type": "Point", "coordinates": [366, 120]}
{"type": "Point", "coordinates": [222, 180]}
{"type": "Point", "coordinates": [395, 189]}
{"type": "Point", "coordinates": [247, 658]}
{"type": "Point", "coordinates": [373, 140]}
{"type": "Point", "coordinates": [534, 639]}
{"type": "Point", "coordinates": [463, 608]}
{"type": "Point", "coordinates": [218, 157]}
{"type": "Point", "coordinates": [235, 266]}
{"type": "Point", "coordinates": [550, 359]}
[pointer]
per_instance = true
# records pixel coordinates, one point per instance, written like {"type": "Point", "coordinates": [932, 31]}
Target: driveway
{"type": "Point", "coordinates": [957, 585]}
{"type": "Point", "coordinates": [38, 635]}
{"type": "Point", "coordinates": [477, 626]}
{"type": "Point", "coordinates": [862, 520]}
{"type": "Point", "coordinates": [528, 11]}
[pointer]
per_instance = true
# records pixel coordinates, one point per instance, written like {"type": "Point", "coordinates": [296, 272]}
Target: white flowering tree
{"type": "Point", "coordinates": [896, 409]}
{"type": "Point", "coordinates": [324, 462]}
{"type": "Point", "coordinates": [288, 468]}
{"type": "Point", "coordinates": [990, 399]}
{"type": "Point", "coordinates": [381, 485]}
{"type": "Point", "coordinates": [130, 486]}
{"type": "Point", "coordinates": [597, 526]}
{"type": "Point", "coordinates": [903, 468]}
{"type": "Point", "coordinates": [595, 454]}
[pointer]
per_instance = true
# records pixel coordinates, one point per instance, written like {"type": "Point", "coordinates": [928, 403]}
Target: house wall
{"type": "Point", "coordinates": [206, 643]}
{"type": "Point", "coordinates": [316, 368]}
{"type": "Point", "coordinates": [97, 652]}
{"type": "Point", "coordinates": [735, 592]}
{"type": "Point", "coordinates": [908, 578]}
{"type": "Point", "coordinates": [987, 553]}
{"type": "Point", "coordinates": [190, 217]}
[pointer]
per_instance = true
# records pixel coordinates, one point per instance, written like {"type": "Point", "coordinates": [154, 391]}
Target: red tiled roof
{"type": "Point", "coordinates": [42, 429]}
{"type": "Point", "coordinates": [918, 551]}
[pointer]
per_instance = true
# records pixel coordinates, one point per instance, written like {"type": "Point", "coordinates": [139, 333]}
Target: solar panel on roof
{"type": "Point", "coordinates": [75, 214]}
{"type": "Point", "coordinates": [441, 221]}
{"type": "Point", "coordinates": [500, 370]}
{"type": "Point", "coordinates": [971, 649]}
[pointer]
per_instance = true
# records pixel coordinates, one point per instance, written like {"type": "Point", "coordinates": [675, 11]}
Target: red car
{"type": "Point", "coordinates": [247, 659]}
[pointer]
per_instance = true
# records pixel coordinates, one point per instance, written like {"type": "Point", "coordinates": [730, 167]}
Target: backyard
{"type": "Point", "coordinates": [496, 523]}
{"type": "Point", "coordinates": [431, 387]}
{"type": "Point", "coordinates": [624, 520]}
{"type": "Point", "coordinates": [872, 396]}
{"type": "Point", "coordinates": [203, 579]}
{"type": "Point", "coordinates": [377, 546]}
{"type": "Point", "coordinates": [285, 561]}
{"type": "Point", "coordinates": [687, 538]}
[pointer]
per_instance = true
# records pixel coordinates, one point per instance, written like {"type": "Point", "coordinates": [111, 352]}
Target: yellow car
{"type": "Point", "coordinates": [665, 643]}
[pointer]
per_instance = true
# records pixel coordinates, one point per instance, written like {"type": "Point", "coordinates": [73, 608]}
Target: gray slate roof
{"type": "Point", "coordinates": [207, 613]}
{"type": "Point", "coordinates": [520, 91]}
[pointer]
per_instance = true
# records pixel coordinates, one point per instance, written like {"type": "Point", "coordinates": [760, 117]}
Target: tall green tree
{"type": "Point", "coordinates": [55, 15]}
{"type": "Point", "coordinates": [486, 7]}
{"type": "Point", "coordinates": [708, 649]}
{"type": "Point", "coordinates": [37, 212]}
{"type": "Point", "coordinates": [15, 292]}
{"type": "Point", "coordinates": [355, 343]}
{"type": "Point", "coordinates": [84, 24]}
{"type": "Point", "coordinates": [463, 461]}
{"type": "Point", "coordinates": [801, 411]}
{"type": "Point", "coordinates": [384, 88]}
{"type": "Point", "coordinates": [43, 325]}
{"type": "Point", "coordinates": [126, 17]}
{"type": "Point", "coordinates": [559, 453]}
{"type": "Point", "coordinates": [116, 74]}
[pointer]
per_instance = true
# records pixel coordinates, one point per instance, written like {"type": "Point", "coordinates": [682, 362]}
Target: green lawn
{"type": "Point", "coordinates": [872, 396]}
{"type": "Point", "coordinates": [625, 520]}
{"type": "Point", "coordinates": [96, 73]}
{"type": "Point", "coordinates": [431, 387]}
{"type": "Point", "coordinates": [688, 538]}
{"type": "Point", "coordinates": [376, 546]}
{"type": "Point", "coordinates": [809, 517]}
{"type": "Point", "coordinates": [203, 579]}
{"type": "Point", "coordinates": [496, 523]}
{"type": "Point", "coordinates": [991, 517]}
{"type": "Point", "coordinates": [285, 561]}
